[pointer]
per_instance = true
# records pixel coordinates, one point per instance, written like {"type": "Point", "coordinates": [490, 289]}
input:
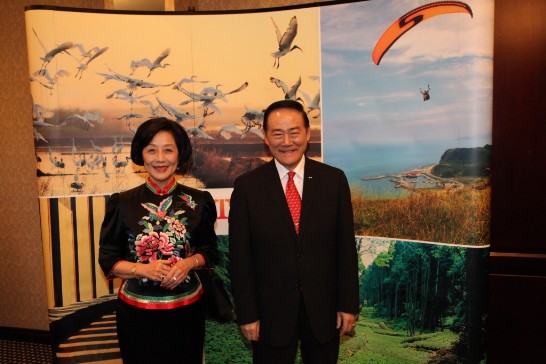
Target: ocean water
{"type": "Point", "coordinates": [368, 161]}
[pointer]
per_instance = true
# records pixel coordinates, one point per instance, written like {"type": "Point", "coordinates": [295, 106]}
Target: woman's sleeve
{"type": "Point", "coordinates": [113, 240]}
{"type": "Point", "coordinates": [204, 237]}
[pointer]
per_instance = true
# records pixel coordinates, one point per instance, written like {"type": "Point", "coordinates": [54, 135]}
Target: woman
{"type": "Point", "coordinates": [154, 237]}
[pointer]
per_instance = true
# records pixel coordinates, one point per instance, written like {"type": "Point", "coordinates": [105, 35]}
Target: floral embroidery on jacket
{"type": "Point", "coordinates": [188, 200]}
{"type": "Point", "coordinates": [164, 235]}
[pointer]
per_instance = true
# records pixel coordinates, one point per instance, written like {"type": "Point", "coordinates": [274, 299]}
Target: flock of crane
{"type": "Point", "coordinates": [206, 100]}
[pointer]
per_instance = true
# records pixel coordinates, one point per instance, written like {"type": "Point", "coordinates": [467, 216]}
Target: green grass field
{"type": "Point", "coordinates": [374, 342]}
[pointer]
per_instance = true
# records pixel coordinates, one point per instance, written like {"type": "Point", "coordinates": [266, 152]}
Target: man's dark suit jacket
{"type": "Point", "coordinates": [272, 267]}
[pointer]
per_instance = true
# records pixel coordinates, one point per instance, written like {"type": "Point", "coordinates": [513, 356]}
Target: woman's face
{"type": "Point", "coordinates": [161, 158]}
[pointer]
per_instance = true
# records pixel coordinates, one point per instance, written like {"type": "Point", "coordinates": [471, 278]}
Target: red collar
{"type": "Point", "coordinates": [158, 190]}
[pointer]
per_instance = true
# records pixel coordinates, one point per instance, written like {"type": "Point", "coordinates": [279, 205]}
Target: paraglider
{"type": "Point", "coordinates": [411, 19]}
{"type": "Point", "coordinates": [425, 93]}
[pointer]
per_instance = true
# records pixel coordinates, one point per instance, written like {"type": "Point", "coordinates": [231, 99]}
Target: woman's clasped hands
{"type": "Point", "coordinates": [170, 275]}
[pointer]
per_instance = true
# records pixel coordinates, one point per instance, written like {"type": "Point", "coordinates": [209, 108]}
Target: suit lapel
{"type": "Point", "coordinates": [273, 186]}
{"type": "Point", "coordinates": [311, 182]}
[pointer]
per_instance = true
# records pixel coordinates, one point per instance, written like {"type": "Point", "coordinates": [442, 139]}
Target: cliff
{"type": "Point", "coordinates": [464, 162]}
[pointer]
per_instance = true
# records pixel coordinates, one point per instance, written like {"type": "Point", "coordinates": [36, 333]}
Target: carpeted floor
{"type": "Point", "coordinates": [95, 343]}
{"type": "Point", "coordinates": [20, 352]}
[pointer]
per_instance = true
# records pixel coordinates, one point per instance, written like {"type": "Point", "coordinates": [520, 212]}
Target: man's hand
{"type": "Point", "coordinates": [345, 322]}
{"type": "Point", "coordinates": [251, 331]}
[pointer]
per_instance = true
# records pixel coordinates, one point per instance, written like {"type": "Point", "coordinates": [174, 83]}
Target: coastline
{"type": "Point", "coordinates": [419, 178]}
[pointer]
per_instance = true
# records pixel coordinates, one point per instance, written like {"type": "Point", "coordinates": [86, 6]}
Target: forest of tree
{"type": "Point", "coordinates": [413, 288]}
{"type": "Point", "coordinates": [426, 288]}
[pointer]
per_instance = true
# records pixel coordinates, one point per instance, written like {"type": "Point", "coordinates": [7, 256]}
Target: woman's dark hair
{"type": "Point", "coordinates": [147, 131]}
{"type": "Point", "coordinates": [285, 104]}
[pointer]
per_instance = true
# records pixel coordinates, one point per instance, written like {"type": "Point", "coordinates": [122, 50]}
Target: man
{"type": "Point", "coordinates": [294, 279]}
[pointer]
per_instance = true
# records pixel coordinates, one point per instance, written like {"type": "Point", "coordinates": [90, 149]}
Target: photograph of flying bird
{"type": "Point", "coordinates": [108, 76]}
{"type": "Point", "coordinates": [253, 118]}
{"type": "Point", "coordinates": [289, 92]}
{"type": "Point", "coordinates": [44, 78]}
{"type": "Point", "coordinates": [40, 113]}
{"type": "Point", "coordinates": [171, 110]}
{"type": "Point", "coordinates": [37, 122]}
{"type": "Point", "coordinates": [132, 83]}
{"type": "Point", "coordinates": [154, 109]}
{"type": "Point", "coordinates": [120, 84]}
{"type": "Point", "coordinates": [197, 132]}
{"type": "Point", "coordinates": [129, 116]}
{"type": "Point", "coordinates": [178, 85]}
{"type": "Point", "coordinates": [125, 95]}
{"type": "Point", "coordinates": [74, 117]}
{"type": "Point", "coordinates": [91, 55]}
{"type": "Point", "coordinates": [285, 40]}
{"type": "Point", "coordinates": [132, 128]}
{"type": "Point", "coordinates": [228, 130]}
{"type": "Point", "coordinates": [311, 103]}
{"type": "Point", "coordinates": [207, 97]}
{"type": "Point", "coordinates": [258, 132]}
{"type": "Point", "coordinates": [50, 54]}
{"type": "Point", "coordinates": [94, 116]}
{"type": "Point", "coordinates": [212, 93]}
{"type": "Point", "coordinates": [41, 82]}
{"type": "Point", "coordinates": [145, 62]}
{"type": "Point", "coordinates": [87, 118]}
{"type": "Point", "coordinates": [209, 94]}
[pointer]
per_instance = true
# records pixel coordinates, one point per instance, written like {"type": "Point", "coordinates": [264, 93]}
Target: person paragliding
{"type": "Point", "coordinates": [426, 93]}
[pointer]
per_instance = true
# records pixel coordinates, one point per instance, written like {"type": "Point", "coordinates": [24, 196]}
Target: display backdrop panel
{"type": "Point", "coordinates": [399, 94]}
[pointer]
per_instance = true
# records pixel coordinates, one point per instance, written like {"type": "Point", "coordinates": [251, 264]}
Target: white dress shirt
{"type": "Point", "coordinates": [298, 178]}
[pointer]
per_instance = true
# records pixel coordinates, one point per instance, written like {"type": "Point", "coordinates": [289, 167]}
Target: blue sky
{"type": "Point", "coordinates": [369, 104]}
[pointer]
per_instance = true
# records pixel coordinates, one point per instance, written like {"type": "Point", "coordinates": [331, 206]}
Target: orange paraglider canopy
{"type": "Point", "coordinates": [411, 19]}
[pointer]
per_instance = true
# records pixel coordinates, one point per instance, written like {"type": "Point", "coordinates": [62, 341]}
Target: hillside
{"type": "Point", "coordinates": [464, 162]}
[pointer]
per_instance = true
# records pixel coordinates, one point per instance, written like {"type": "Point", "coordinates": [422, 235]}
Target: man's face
{"type": "Point", "coordinates": [287, 137]}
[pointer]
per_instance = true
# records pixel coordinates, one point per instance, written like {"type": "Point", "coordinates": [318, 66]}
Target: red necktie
{"type": "Point", "coordinates": [294, 200]}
